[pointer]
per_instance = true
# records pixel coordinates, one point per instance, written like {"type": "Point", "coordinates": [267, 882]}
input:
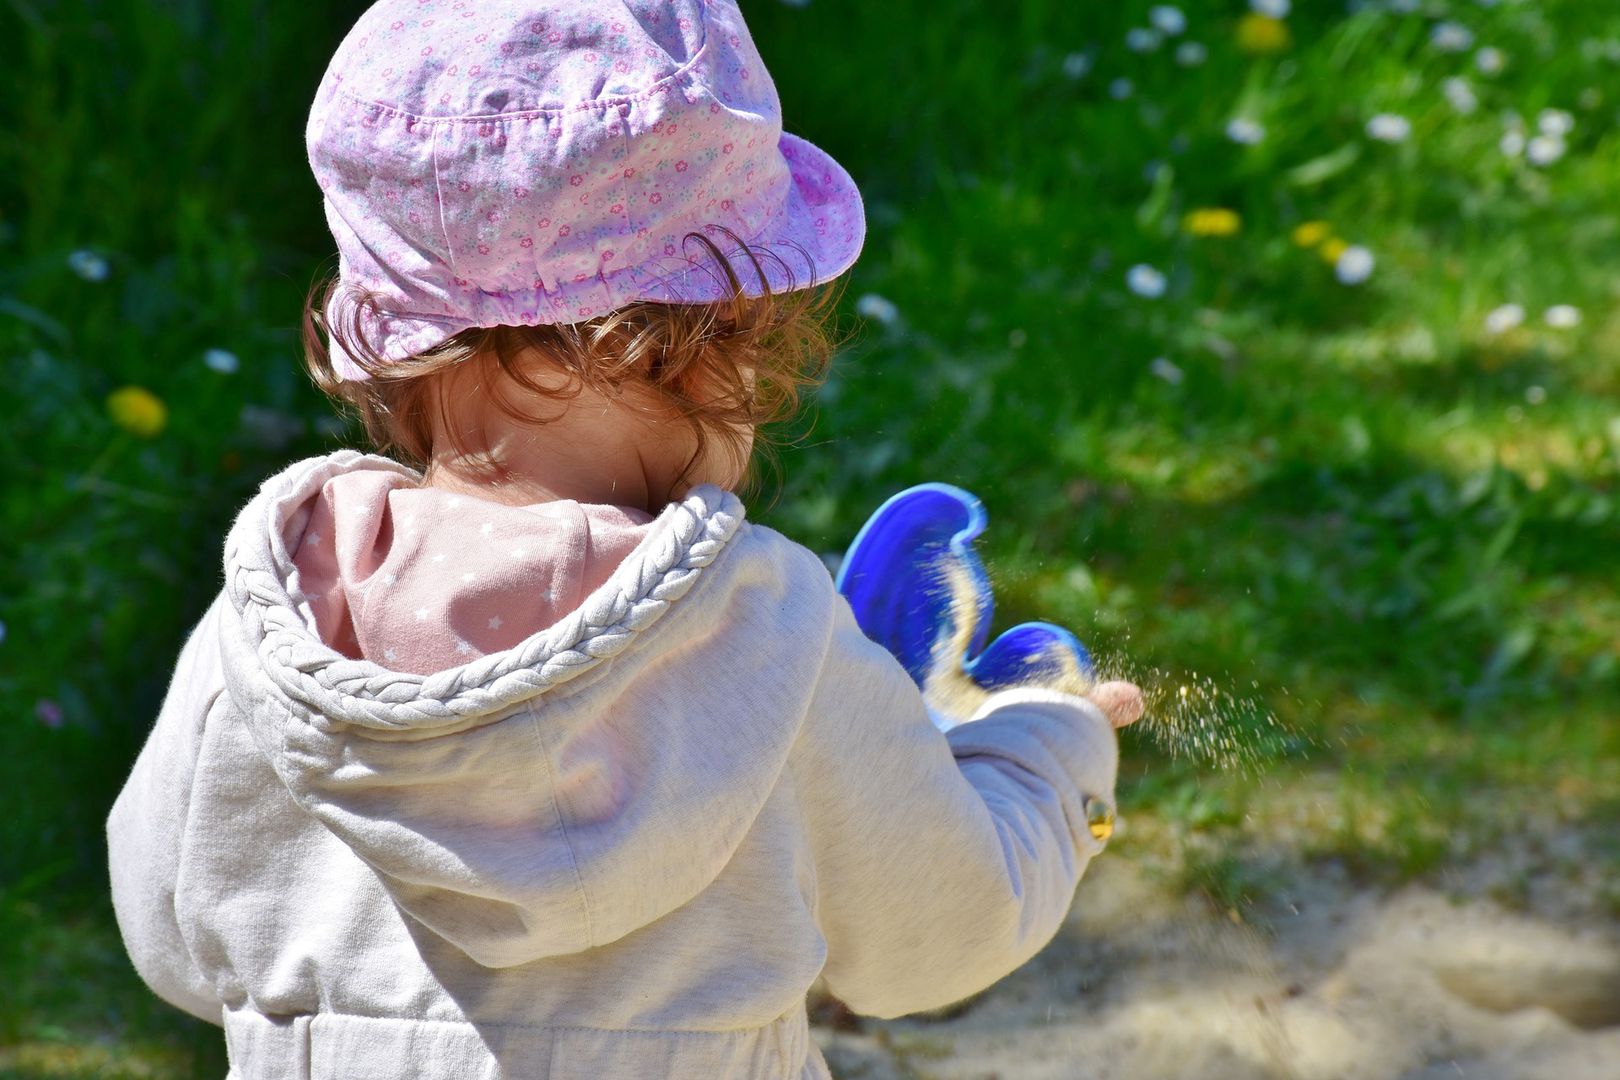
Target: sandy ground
{"type": "Point", "coordinates": [1331, 979]}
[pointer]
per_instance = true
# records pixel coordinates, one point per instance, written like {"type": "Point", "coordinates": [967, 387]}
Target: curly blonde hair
{"type": "Point", "coordinates": [723, 367]}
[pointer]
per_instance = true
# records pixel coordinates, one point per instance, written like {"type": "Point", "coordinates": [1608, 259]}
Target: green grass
{"type": "Point", "coordinates": [1395, 531]}
{"type": "Point", "coordinates": [82, 1011]}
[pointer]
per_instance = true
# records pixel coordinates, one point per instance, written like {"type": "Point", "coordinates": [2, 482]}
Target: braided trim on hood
{"type": "Point", "coordinates": [685, 538]}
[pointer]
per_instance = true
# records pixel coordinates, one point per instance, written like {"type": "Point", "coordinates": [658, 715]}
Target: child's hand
{"type": "Point", "coordinates": [1120, 701]}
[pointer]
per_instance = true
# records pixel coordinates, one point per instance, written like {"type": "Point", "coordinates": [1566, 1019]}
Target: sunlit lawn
{"type": "Point", "coordinates": [1384, 511]}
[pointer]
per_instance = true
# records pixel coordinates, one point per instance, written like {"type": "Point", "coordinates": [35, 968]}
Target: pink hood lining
{"type": "Point", "coordinates": [419, 579]}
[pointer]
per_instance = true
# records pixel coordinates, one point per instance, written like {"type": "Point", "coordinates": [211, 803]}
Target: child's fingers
{"type": "Point", "coordinates": [1120, 701]}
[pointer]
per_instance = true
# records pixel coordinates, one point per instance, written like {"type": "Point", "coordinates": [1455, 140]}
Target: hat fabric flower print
{"type": "Point", "coordinates": [541, 162]}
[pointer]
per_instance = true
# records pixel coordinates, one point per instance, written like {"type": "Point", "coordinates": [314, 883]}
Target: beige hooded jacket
{"type": "Point", "coordinates": [625, 847]}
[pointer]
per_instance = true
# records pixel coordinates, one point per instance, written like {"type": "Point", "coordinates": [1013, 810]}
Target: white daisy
{"type": "Point", "coordinates": [1460, 95]}
{"type": "Point", "coordinates": [1167, 19]}
{"type": "Point", "coordinates": [1145, 281]}
{"type": "Point", "coordinates": [1191, 54]}
{"type": "Point", "coordinates": [1451, 37]}
{"type": "Point", "coordinates": [1512, 143]}
{"type": "Point", "coordinates": [1562, 316]}
{"type": "Point", "coordinates": [1275, 9]}
{"type": "Point", "coordinates": [1504, 318]}
{"type": "Point", "coordinates": [1244, 131]}
{"type": "Point", "coordinates": [1555, 122]}
{"type": "Point", "coordinates": [1120, 89]}
{"type": "Point", "coordinates": [1535, 395]}
{"type": "Point", "coordinates": [1543, 150]}
{"type": "Point", "coordinates": [1142, 40]}
{"type": "Point", "coordinates": [1490, 60]}
{"type": "Point", "coordinates": [88, 265]}
{"type": "Point", "coordinates": [1077, 65]}
{"type": "Point", "coordinates": [221, 360]}
{"type": "Point", "coordinates": [873, 306]}
{"type": "Point", "coordinates": [1162, 368]}
{"type": "Point", "coordinates": [1355, 265]}
{"type": "Point", "coordinates": [1389, 128]}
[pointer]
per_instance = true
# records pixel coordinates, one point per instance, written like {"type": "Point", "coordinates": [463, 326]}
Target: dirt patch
{"type": "Point", "coordinates": [1335, 981]}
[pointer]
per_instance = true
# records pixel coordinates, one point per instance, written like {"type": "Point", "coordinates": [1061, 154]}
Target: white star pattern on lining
{"type": "Point", "coordinates": [487, 529]}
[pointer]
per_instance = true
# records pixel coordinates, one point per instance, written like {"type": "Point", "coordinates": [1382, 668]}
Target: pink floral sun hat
{"type": "Point", "coordinates": [519, 163]}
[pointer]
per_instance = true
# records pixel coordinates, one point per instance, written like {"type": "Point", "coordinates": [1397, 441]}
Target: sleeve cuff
{"type": "Point", "coordinates": [1062, 738]}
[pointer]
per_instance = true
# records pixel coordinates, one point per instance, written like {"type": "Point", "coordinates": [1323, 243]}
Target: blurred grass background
{"type": "Point", "coordinates": [1384, 511]}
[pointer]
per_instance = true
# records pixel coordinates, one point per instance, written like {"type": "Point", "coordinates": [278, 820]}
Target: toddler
{"type": "Point", "coordinates": [527, 755]}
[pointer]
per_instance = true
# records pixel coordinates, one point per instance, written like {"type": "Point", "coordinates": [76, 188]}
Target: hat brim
{"type": "Point", "coordinates": [815, 236]}
{"type": "Point", "coordinates": [823, 213]}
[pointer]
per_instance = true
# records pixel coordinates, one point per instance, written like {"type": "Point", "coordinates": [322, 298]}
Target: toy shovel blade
{"type": "Point", "coordinates": [893, 574]}
{"type": "Point", "coordinates": [897, 578]}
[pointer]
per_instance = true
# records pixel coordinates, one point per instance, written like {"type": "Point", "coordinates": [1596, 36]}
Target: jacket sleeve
{"type": "Point", "coordinates": [943, 861]}
{"type": "Point", "coordinates": [147, 823]}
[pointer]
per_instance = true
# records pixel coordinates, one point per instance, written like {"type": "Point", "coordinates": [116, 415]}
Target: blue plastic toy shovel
{"type": "Point", "coordinates": [918, 589]}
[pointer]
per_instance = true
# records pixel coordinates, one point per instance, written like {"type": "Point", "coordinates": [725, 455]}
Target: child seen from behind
{"type": "Point", "coordinates": [521, 752]}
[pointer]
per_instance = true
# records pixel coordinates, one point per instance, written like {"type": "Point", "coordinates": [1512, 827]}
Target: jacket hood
{"type": "Point", "coordinates": [522, 804]}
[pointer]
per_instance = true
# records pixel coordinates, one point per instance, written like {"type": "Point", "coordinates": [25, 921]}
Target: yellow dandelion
{"type": "Point", "coordinates": [1311, 233]}
{"type": "Point", "coordinates": [1331, 249]}
{"type": "Point", "coordinates": [1260, 35]}
{"type": "Point", "coordinates": [138, 411]}
{"type": "Point", "coordinates": [1212, 221]}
